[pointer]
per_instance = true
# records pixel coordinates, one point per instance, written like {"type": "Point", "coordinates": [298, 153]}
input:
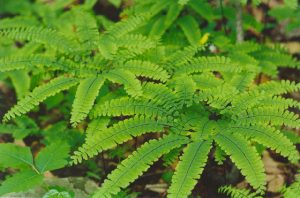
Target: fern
{"type": "Point", "coordinates": [269, 137]}
{"type": "Point", "coordinates": [245, 158]}
{"type": "Point", "coordinates": [137, 163]}
{"type": "Point", "coordinates": [45, 36]}
{"type": "Point", "coordinates": [121, 132]}
{"type": "Point", "coordinates": [189, 169]}
{"type": "Point", "coordinates": [146, 69]}
{"type": "Point", "coordinates": [237, 193]}
{"type": "Point", "coordinates": [39, 94]}
{"type": "Point", "coordinates": [128, 106]}
{"type": "Point", "coordinates": [131, 84]}
{"type": "Point", "coordinates": [86, 94]}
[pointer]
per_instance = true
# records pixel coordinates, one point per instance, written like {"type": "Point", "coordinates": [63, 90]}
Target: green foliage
{"type": "Point", "coordinates": [151, 72]}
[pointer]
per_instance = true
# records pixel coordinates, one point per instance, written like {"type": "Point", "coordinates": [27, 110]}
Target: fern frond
{"type": "Point", "coordinates": [206, 81]}
{"type": "Point", "coordinates": [189, 169]}
{"type": "Point", "coordinates": [137, 163]}
{"type": "Point", "coordinates": [131, 85]}
{"type": "Point", "coordinates": [266, 115]}
{"type": "Point", "coordinates": [39, 94]}
{"type": "Point", "coordinates": [184, 89]}
{"type": "Point", "coordinates": [129, 106]}
{"type": "Point", "coordinates": [146, 69]}
{"type": "Point", "coordinates": [126, 25]}
{"type": "Point", "coordinates": [87, 30]}
{"type": "Point", "coordinates": [161, 94]}
{"type": "Point", "coordinates": [245, 157]}
{"type": "Point", "coordinates": [237, 193]}
{"type": "Point", "coordinates": [117, 134]}
{"type": "Point", "coordinates": [86, 94]}
{"type": "Point", "coordinates": [269, 137]}
{"type": "Point", "coordinates": [205, 64]}
{"type": "Point", "coordinates": [277, 88]}
{"type": "Point", "coordinates": [96, 126]}
{"type": "Point", "coordinates": [136, 41]}
{"type": "Point", "coordinates": [179, 58]}
{"type": "Point", "coordinates": [42, 35]}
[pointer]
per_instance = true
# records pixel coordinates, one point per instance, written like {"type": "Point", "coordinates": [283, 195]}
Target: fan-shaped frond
{"type": "Point", "coordinates": [268, 114]}
{"type": "Point", "coordinates": [136, 41]}
{"type": "Point", "coordinates": [269, 137]}
{"type": "Point", "coordinates": [206, 81]}
{"type": "Point", "coordinates": [129, 106]}
{"type": "Point", "coordinates": [146, 69]}
{"type": "Point", "coordinates": [117, 134]}
{"type": "Point", "coordinates": [86, 94]}
{"type": "Point", "coordinates": [213, 63]}
{"type": "Point", "coordinates": [42, 35]}
{"type": "Point", "coordinates": [137, 163]}
{"type": "Point", "coordinates": [245, 157]}
{"type": "Point", "coordinates": [184, 89]}
{"type": "Point", "coordinates": [161, 94]}
{"type": "Point", "coordinates": [277, 88]}
{"type": "Point", "coordinates": [87, 30]}
{"type": "Point", "coordinates": [237, 193]}
{"type": "Point", "coordinates": [131, 84]}
{"type": "Point", "coordinates": [181, 57]}
{"type": "Point", "coordinates": [189, 169]}
{"type": "Point", "coordinates": [126, 25]}
{"type": "Point", "coordinates": [39, 94]}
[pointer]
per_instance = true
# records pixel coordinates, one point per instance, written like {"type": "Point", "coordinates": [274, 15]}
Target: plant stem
{"type": "Point", "coordinates": [239, 22]}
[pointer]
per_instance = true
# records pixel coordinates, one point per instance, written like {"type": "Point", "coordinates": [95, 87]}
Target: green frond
{"type": "Point", "coordinates": [206, 81]}
{"type": "Point", "coordinates": [119, 133]}
{"type": "Point", "coordinates": [129, 106]}
{"type": "Point", "coordinates": [21, 82]}
{"type": "Point", "coordinates": [262, 115]}
{"type": "Point", "coordinates": [237, 193]}
{"type": "Point", "coordinates": [86, 94]}
{"type": "Point", "coordinates": [218, 97]}
{"type": "Point", "coordinates": [39, 94]}
{"type": "Point", "coordinates": [205, 64]}
{"type": "Point", "coordinates": [220, 155]}
{"type": "Point", "coordinates": [245, 157]}
{"type": "Point", "coordinates": [183, 2]}
{"type": "Point", "coordinates": [138, 42]}
{"type": "Point", "coordinates": [96, 126]}
{"type": "Point", "coordinates": [181, 57]}
{"type": "Point", "coordinates": [131, 85]}
{"type": "Point", "coordinates": [243, 81]}
{"type": "Point", "coordinates": [279, 102]}
{"type": "Point", "coordinates": [126, 25]}
{"type": "Point", "coordinates": [277, 88]}
{"type": "Point", "coordinates": [184, 89]}
{"type": "Point", "coordinates": [146, 69]}
{"type": "Point", "coordinates": [189, 169]}
{"type": "Point", "coordinates": [19, 62]}
{"type": "Point", "coordinates": [245, 47]}
{"type": "Point", "coordinates": [161, 94]}
{"type": "Point", "coordinates": [137, 163]}
{"type": "Point", "coordinates": [87, 30]}
{"type": "Point", "coordinates": [269, 137]}
{"type": "Point", "coordinates": [46, 36]}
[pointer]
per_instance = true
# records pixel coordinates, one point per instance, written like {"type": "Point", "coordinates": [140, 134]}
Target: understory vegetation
{"type": "Point", "coordinates": [148, 98]}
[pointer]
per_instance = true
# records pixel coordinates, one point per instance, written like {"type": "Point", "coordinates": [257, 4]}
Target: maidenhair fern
{"type": "Point", "coordinates": [195, 101]}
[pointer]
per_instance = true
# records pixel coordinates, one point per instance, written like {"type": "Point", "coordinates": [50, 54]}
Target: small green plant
{"type": "Point", "coordinates": [152, 72]}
